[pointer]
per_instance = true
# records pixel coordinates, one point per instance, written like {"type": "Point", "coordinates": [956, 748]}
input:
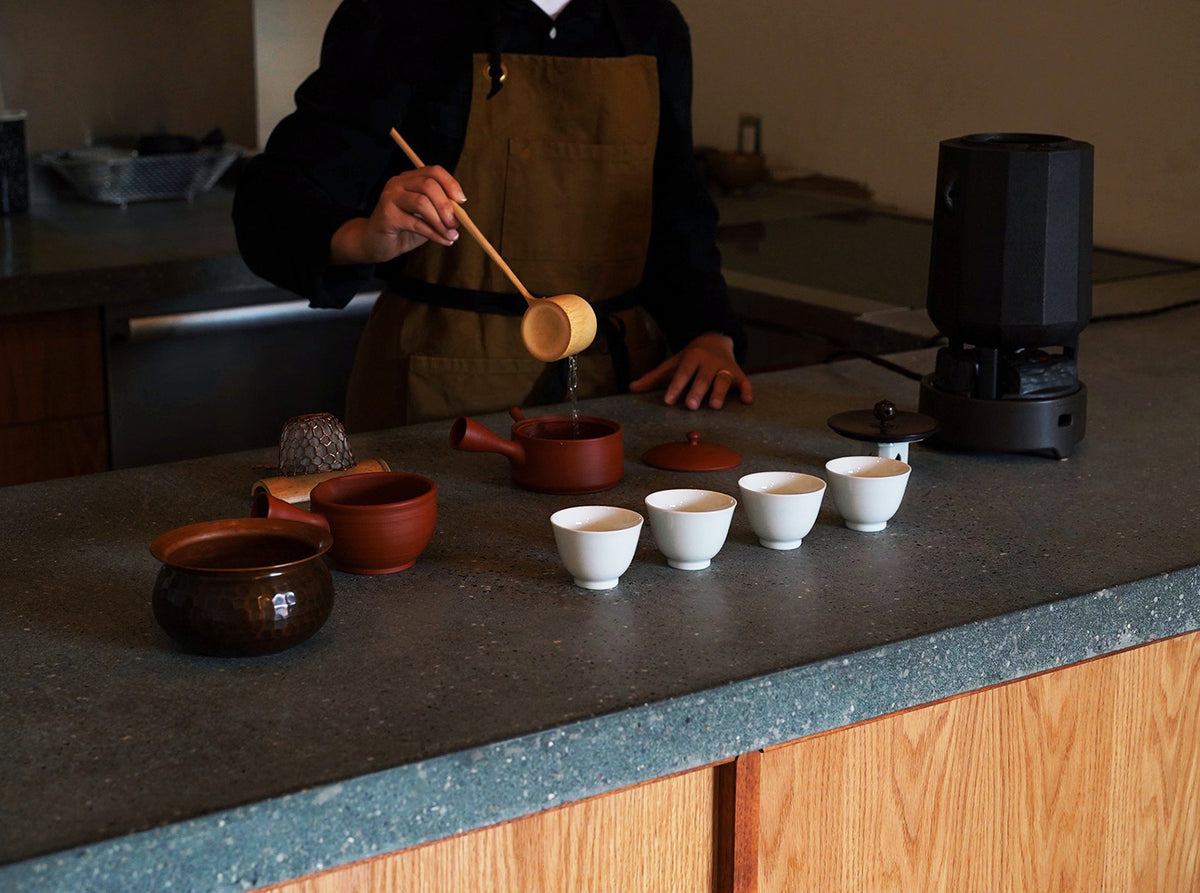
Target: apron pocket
{"type": "Point", "coordinates": [577, 202]}
{"type": "Point", "coordinates": [446, 387]}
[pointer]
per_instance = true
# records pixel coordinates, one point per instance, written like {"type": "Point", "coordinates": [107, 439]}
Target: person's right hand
{"type": "Point", "coordinates": [415, 207]}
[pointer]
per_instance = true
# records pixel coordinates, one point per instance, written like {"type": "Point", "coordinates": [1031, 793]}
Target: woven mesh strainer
{"type": "Point", "coordinates": [314, 443]}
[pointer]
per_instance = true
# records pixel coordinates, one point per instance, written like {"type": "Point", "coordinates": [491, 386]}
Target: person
{"type": "Point", "coordinates": [567, 129]}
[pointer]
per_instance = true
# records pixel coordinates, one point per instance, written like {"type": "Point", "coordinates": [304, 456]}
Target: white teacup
{"type": "Point", "coordinates": [867, 490]}
{"type": "Point", "coordinates": [690, 526]}
{"type": "Point", "coordinates": [596, 542]}
{"type": "Point", "coordinates": [782, 506]}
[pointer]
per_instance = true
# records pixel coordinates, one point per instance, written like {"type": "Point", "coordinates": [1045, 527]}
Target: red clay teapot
{"type": "Point", "coordinates": [552, 454]}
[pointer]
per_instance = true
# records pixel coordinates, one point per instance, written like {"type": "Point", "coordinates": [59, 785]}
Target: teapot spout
{"type": "Point", "coordinates": [265, 505]}
{"type": "Point", "coordinates": [467, 434]}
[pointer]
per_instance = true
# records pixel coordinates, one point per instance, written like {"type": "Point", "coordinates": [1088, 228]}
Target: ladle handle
{"type": "Point", "coordinates": [465, 219]}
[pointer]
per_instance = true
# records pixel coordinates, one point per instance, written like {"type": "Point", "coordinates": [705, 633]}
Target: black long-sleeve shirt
{"type": "Point", "coordinates": [407, 64]}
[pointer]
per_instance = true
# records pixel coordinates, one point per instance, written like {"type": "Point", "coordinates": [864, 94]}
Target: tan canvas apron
{"type": "Point", "coordinates": [557, 168]}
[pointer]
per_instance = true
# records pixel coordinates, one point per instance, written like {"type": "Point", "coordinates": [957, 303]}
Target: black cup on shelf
{"type": "Point", "coordinates": [14, 165]}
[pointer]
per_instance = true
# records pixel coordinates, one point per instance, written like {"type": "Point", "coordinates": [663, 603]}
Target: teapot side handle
{"type": "Point", "coordinates": [467, 434]}
{"type": "Point", "coordinates": [264, 504]}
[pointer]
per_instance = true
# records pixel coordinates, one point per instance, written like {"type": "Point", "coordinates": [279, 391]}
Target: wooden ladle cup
{"type": "Point", "coordinates": [552, 328]}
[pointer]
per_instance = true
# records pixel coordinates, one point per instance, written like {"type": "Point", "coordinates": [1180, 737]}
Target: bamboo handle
{"type": "Point", "coordinates": [298, 487]}
{"type": "Point", "coordinates": [466, 221]}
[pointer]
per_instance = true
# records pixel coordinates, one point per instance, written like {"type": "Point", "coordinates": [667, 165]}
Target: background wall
{"type": "Point", "coordinates": [128, 67]}
{"type": "Point", "coordinates": [287, 47]}
{"type": "Point", "coordinates": [865, 89]}
{"type": "Point", "coordinates": [861, 89]}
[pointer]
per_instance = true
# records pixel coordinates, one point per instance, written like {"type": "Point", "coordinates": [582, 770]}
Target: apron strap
{"type": "Point", "coordinates": [499, 302]}
{"type": "Point", "coordinates": [501, 29]}
{"type": "Point", "coordinates": [613, 329]}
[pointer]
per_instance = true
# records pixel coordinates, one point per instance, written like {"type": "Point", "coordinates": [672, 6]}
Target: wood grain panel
{"type": "Point", "coordinates": [52, 403]}
{"type": "Point", "coordinates": [1087, 778]}
{"type": "Point", "coordinates": [51, 366]}
{"type": "Point", "coordinates": [650, 838]}
{"type": "Point", "coordinates": [54, 449]}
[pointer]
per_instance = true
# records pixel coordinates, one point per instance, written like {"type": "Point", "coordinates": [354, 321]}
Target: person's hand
{"type": "Point", "coordinates": [415, 207]}
{"type": "Point", "coordinates": [705, 366]}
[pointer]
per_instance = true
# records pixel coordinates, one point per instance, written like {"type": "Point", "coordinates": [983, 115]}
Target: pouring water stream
{"type": "Point", "coordinates": [572, 393]}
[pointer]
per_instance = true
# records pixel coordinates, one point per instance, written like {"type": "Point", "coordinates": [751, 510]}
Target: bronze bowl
{"type": "Point", "coordinates": [736, 171]}
{"type": "Point", "coordinates": [244, 586]}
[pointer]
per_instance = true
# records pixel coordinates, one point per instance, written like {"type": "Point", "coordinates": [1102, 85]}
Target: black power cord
{"type": "Point", "coordinates": [845, 352]}
{"type": "Point", "coordinates": [1144, 314]}
{"type": "Point", "coordinates": [851, 353]}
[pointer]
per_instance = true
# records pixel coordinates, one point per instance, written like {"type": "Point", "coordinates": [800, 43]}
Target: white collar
{"type": "Point", "coordinates": [552, 7]}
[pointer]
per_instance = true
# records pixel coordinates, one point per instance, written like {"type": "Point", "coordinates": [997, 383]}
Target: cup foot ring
{"type": "Point", "coordinates": [780, 545]}
{"type": "Point", "coordinates": [596, 585]}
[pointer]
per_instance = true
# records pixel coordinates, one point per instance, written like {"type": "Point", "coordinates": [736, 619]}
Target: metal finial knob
{"type": "Point", "coordinates": [885, 411]}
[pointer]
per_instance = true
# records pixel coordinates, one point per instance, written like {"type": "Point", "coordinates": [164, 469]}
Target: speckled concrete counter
{"type": "Point", "coordinates": [481, 685]}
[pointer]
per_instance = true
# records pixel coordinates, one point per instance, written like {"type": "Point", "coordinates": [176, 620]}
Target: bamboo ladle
{"type": "Point", "coordinates": [552, 328]}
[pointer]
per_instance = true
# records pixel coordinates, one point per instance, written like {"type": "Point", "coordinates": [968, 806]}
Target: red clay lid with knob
{"type": "Point", "coordinates": [691, 455]}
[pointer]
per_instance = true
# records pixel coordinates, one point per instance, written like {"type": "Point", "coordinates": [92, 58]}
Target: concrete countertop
{"type": "Point", "coordinates": [481, 685]}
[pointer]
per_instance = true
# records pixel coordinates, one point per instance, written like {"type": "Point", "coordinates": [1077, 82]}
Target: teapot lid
{"type": "Point", "coordinates": [883, 423]}
{"type": "Point", "coordinates": [691, 455]}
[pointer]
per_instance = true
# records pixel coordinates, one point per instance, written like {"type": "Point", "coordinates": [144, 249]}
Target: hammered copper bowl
{"type": "Point", "coordinates": [244, 586]}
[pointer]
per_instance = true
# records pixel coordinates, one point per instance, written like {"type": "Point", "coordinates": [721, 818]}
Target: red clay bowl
{"type": "Point", "coordinates": [381, 521]}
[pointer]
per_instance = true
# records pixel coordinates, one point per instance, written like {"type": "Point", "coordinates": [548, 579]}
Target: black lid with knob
{"type": "Point", "coordinates": [883, 423]}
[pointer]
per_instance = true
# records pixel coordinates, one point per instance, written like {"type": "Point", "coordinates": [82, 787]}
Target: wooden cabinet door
{"type": "Point", "coordinates": [52, 403]}
{"type": "Point", "coordinates": [653, 838]}
{"type": "Point", "coordinates": [1086, 778]}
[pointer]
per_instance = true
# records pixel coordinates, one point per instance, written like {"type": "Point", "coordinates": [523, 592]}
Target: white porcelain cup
{"type": "Point", "coordinates": [596, 542]}
{"type": "Point", "coordinates": [867, 490]}
{"type": "Point", "coordinates": [782, 506]}
{"type": "Point", "coordinates": [690, 526]}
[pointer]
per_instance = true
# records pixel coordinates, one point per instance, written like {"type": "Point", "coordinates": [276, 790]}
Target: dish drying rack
{"type": "Point", "coordinates": [118, 176]}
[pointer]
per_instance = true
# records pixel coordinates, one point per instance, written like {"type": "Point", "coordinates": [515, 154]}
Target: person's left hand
{"type": "Point", "coordinates": [705, 366]}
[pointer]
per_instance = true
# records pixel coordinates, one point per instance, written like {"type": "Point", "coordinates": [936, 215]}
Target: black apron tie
{"type": "Point", "coordinates": [613, 330]}
{"type": "Point", "coordinates": [501, 31]}
{"type": "Point", "coordinates": [495, 71]}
